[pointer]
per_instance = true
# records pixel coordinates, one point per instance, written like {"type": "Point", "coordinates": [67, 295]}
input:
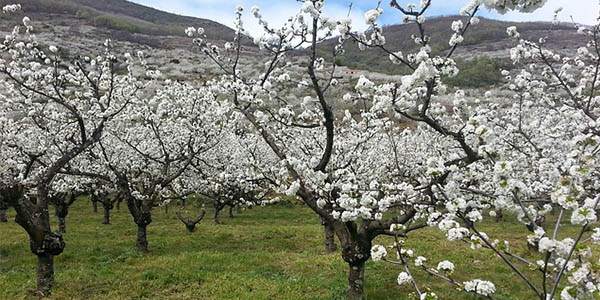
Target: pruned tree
{"type": "Point", "coordinates": [190, 224]}
{"type": "Point", "coordinates": [53, 109]}
{"type": "Point", "coordinates": [62, 201]}
{"type": "Point", "coordinates": [154, 143]}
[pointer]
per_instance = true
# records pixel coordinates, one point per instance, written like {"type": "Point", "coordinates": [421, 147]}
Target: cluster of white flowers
{"type": "Point", "coordinates": [372, 15]}
{"type": "Point", "coordinates": [11, 8]}
{"type": "Point", "coordinates": [404, 278]}
{"type": "Point", "coordinates": [378, 253]}
{"type": "Point", "coordinates": [446, 267]}
{"type": "Point", "coordinates": [481, 287]}
{"type": "Point", "coordinates": [512, 32]}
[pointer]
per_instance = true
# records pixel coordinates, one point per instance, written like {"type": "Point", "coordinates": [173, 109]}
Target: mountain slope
{"type": "Point", "coordinates": [82, 26]}
{"type": "Point", "coordinates": [488, 38]}
{"type": "Point", "coordinates": [125, 18]}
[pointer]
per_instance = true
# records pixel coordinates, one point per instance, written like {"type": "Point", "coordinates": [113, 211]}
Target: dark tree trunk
{"type": "Point", "coordinates": [329, 238]}
{"type": "Point", "coordinates": [356, 250]}
{"type": "Point", "coordinates": [95, 206]}
{"type": "Point", "coordinates": [182, 203]}
{"type": "Point", "coordinates": [62, 202]}
{"type": "Point", "coordinates": [231, 211]}
{"type": "Point", "coordinates": [141, 211]}
{"type": "Point", "coordinates": [33, 216]}
{"type": "Point", "coordinates": [119, 204]}
{"type": "Point", "coordinates": [45, 274]}
{"type": "Point", "coordinates": [106, 219]}
{"type": "Point", "coordinates": [216, 216]}
{"type": "Point", "coordinates": [61, 211]}
{"type": "Point", "coordinates": [499, 215]}
{"type": "Point", "coordinates": [142, 239]}
{"type": "Point", "coordinates": [62, 225]}
{"type": "Point", "coordinates": [3, 215]}
{"type": "Point", "coordinates": [356, 280]}
{"type": "Point", "coordinates": [167, 208]}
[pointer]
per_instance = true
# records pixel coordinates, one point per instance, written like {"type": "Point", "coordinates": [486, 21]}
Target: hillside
{"type": "Point", "coordinates": [82, 26]}
{"type": "Point", "coordinates": [125, 19]}
{"type": "Point", "coordinates": [487, 39]}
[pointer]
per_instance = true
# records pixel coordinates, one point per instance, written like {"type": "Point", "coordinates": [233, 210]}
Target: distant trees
{"type": "Point", "coordinates": [153, 144]}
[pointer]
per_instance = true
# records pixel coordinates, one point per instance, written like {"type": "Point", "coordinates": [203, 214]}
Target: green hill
{"type": "Point", "coordinates": [487, 39]}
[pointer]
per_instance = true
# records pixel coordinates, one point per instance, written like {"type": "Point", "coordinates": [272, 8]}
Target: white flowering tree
{"type": "Point", "coordinates": [439, 166]}
{"type": "Point", "coordinates": [52, 110]}
{"type": "Point", "coordinates": [152, 144]}
{"type": "Point", "coordinates": [533, 155]}
{"type": "Point", "coordinates": [290, 110]}
{"type": "Point", "coordinates": [229, 174]}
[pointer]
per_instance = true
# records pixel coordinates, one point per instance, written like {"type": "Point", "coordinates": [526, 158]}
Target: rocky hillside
{"type": "Point", "coordinates": [83, 26]}
{"type": "Point", "coordinates": [123, 19]}
{"type": "Point", "coordinates": [486, 41]}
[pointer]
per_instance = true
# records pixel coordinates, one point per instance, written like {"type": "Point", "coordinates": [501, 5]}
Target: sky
{"type": "Point", "coordinates": [276, 12]}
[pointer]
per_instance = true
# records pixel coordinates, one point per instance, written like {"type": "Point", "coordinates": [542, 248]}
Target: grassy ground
{"type": "Point", "coordinates": [263, 253]}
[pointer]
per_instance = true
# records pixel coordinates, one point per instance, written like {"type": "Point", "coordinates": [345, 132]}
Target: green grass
{"type": "Point", "coordinates": [264, 253]}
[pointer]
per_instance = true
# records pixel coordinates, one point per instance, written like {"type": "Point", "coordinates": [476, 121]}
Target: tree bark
{"type": "Point", "coordinates": [356, 245]}
{"type": "Point", "coordinates": [499, 215]}
{"type": "Point", "coordinates": [330, 245]}
{"type": "Point", "coordinates": [106, 219]}
{"type": "Point", "coordinates": [356, 280]}
{"type": "Point", "coordinates": [231, 211]}
{"type": "Point", "coordinates": [62, 225]}
{"type": "Point", "coordinates": [95, 206]}
{"type": "Point", "coordinates": [142, 240]}
{"type": "Point", "coordinates": [3, 216]}
{"type": "Point", "coordinates": [216, 216]}
{"type": "Point", "coordinates": [45, 274]}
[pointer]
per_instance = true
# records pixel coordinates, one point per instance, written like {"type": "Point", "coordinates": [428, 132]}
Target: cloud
{"type": "Point", "coordinates": [276, 12]}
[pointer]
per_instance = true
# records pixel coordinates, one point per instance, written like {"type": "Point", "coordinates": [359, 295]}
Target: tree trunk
{"type": "Point", "coordinates": [356, 280]}
{"type": "Point", "coordinates": [231, 211]}
{"type": "Point", "coordinates": [142, 240]}
{"type": "Point", "coordinates": [95, 206]}
{"type": "Point", "coordinates": [356, 250]}
{"type": "Point", "coordinates": [216, 217]}
{"type": "Point", "coordinates": [3, 216]}
{"type": "Point", "coordinates": [499, 215]}
{"type": "Point", "coordinates": [106, 219]}
{"type": "Point", "coordinates": [119, 204]}
{"type": "Point", "coordinates": [167, 208]}
{"type": "Point", "coordinates": [62, 225]}
{"type": "Point", "coordinates": [330, 246]}
{"type": "Point", "coordinates": [45, 274]}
